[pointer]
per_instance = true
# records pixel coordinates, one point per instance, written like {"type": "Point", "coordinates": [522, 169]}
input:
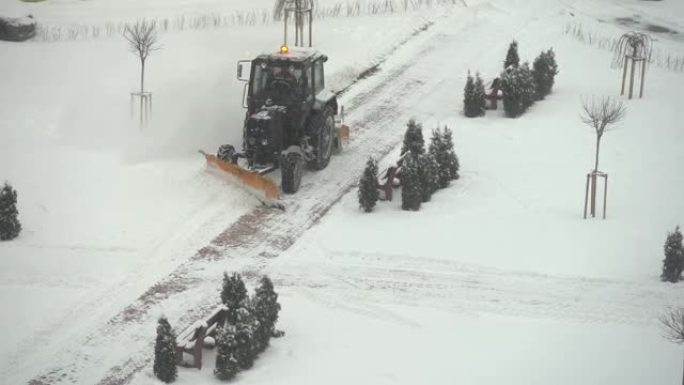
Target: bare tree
{"type": "Point", "coordinates": [142, 39]}
{"type": "Point", "coordinates": [673, 325]}
{"type": "Point", "coordinates": [599, 113]}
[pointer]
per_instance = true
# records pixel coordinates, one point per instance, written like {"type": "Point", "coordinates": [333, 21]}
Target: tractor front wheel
{"type": "Point", "coordinates": [291, 168]}
{"type": "Point", "coordinates": [226, 153]}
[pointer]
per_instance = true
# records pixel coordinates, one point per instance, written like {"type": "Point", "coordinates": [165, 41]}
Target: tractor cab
{"type": "Point", "coordinates": [287, 78]}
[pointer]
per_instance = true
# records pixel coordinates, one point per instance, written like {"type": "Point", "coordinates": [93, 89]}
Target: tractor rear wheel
{"type": "Point", "coordinates": [323, 123]}
{"type": "Point", "coordinates": [291, 168]}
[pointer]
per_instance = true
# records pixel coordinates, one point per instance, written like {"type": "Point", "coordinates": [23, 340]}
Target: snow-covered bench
{"type": "Point", "coordinates": [192, 339]}
{"type": "Point", "coordinates": [17, 28]}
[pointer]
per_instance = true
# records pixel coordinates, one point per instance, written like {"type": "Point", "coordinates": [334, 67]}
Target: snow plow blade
{"type": "Point", "coordinates": [263, 188]}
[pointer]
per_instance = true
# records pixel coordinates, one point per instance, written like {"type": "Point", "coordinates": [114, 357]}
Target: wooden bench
{"type": "Point", "coordinates": [191, 340]}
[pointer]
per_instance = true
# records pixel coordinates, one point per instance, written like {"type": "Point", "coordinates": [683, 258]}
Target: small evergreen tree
{"type": "Point", "coordinates": [411, 189]}
{"type": "Point", "coordinates": [452, 165]}
{"type": "Point", "coordinates": [428, 173]}
{"type": "Point", "coordinates": [544, 70]}
{"type": "Point", "coordinates": [474, 101]}
{"type": "Point", "coordinates": [226, 364]}
{"type": "Point", "coordinates": [265, 310]}
{"type": "Point", "coordinates": [368, 186]}
{"type": "Point", "coordinates": [518, 89]}
{"type": "Point", "coordinates": [512, 58]}
{"type": "Point", "coordinates": [245, 347]}
{"type": "Point", "coordinates": [480, 93]}
{"type": "Point", "coordinates": [437, 151]}
{"type": "Point", "coordinates": [165, 352]}
{"type": "Point", "coordinates": [413, 138]}
{"type": "Point", "coordinates": [9, 223]}
{"type": "Point", "coordinates": [442, 148]}
{"type": "Point", "coordinates": [233, 295]}
{"type": "Point", "coordinates": [674, 257]}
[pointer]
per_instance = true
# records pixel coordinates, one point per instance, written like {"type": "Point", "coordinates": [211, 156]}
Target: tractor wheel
{"type": "Point", "coordinates": [291, 172]}
{"type": "Point", "coordinates": [324, 124]}
{"type": "Point", "coordinates": [226, 153]}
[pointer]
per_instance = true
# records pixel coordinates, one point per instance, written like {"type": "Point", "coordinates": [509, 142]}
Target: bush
{"type": "Point", "coordinates": [245, 346]}
{"type": "Point", "coordinates": [226, 364]}
{"type": "Point", "coordinates": [512, 58]}
{"type": "Point", "coordinates": [165, 352]}
{"type": "Point", "coordinates": [233, 295]}
{"type": "Point", "coordinates": [673, 264]}
{"type": "Point", "coordinates": [544, 70]}
{"type": "Point", "coordinates": [428, 174]}
{"type": "Point", "coordinates": [452, 164]}
{"type": "Point", "coordinates": [413, 139]}
{"type": "Point", "coordinates": [368, 186]}
{"type": "Point", "coordinates": [411, 190]}
{"type": "Point", "coordinates": [442, 149]}
{"type": "Point", "coordinates": [517, 85]}
{"type": "Point", "coordinates": [474, 97]}
{"type": "Point", "coordinates": [9, 223]}
{"type": "Point", "coordinates": [265, 308]}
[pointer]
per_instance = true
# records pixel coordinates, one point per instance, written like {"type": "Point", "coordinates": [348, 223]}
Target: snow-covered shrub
{"type": "Point", "coordinates": [442, 149]}
{"type": "Point", "coordinates": [411, 189]}
{"type": "Point", "coordinates": [165, 352]}
{"type": "Point", "coordinates": [512, 58]}
{"type": "Point", "coordinates": [544, 70]}
{"type": "Point", "coordinates": [245, 351]}
{"type": "Point", "coordinates": [413, 138]}
{"type": "Point", "coordinates": [265, 308]}
{"type": "Point", "coordinates": [673, 264]}
{"type": "Point", "coordinates": [17, 29]}
{"type": "Point", "coordinates": [517, 85]}
{"type": "Point", "coordinates": [368, 186]}
{"type": "Point", "coordinates": [452, 164]}
{"type": "Point", "coordinates": [226, 363]}
{"type": "Point", "coordinates": [233, 295]}
{"type": "Point", "coordinates": [474, 97]}
{"type": "Point", "coordinates": [428, 173]}
{"type": "Point", "coordinates": [9, 223]}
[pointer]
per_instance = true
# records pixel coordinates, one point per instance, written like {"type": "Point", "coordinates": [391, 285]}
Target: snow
{"type": "Point", "coordinates": [497, 277]}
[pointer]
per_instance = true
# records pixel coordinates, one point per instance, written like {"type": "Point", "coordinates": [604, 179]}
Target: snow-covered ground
{"type": "Point", "coordinates": [497, 277]}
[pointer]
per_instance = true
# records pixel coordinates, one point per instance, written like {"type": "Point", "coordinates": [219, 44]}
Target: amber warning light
{"type": "Point", "coordinates": [283, 49]}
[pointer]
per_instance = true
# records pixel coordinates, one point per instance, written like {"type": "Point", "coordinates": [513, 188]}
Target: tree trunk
{"type": "Point", "coordinates": [598, 147]}
{"type": "Point", "coordinates": [593, 178]}
{"type": "Point", "coordinates": [142, 77]}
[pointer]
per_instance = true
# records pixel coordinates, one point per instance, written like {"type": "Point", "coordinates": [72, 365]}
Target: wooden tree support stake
{"type": "Point", "coordinates": [591, 199]}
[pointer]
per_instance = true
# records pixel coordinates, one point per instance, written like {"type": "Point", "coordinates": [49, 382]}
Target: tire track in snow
{"type": "Point", "coordinates": [374, 279]}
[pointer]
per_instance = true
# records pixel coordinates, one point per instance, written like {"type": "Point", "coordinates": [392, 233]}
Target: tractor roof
{"type": "Point", "coordinates": [294, 54]}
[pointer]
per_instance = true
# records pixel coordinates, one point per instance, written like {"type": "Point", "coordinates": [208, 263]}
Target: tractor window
{"type": "Point", "coordinates": [265, 74]}
{"type": "Point", "coordinates": [318, 76]}
{"type": "Point", "coordinates": [307, 82]}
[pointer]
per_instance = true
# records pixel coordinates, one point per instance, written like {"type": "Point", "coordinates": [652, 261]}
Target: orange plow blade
{"type": "Point", "coordinates": [261, 185]}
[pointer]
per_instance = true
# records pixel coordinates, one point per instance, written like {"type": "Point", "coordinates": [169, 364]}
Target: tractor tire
{"type": "Point", "coordinates": [291, 167]}
{"type": "Point", "coordinates": [323, 123]}
{"type": "Point", "coordinates": [226, 153]}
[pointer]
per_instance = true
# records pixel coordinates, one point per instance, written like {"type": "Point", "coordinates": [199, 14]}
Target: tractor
{"type": "Point", "coordinates": [291, 120]}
